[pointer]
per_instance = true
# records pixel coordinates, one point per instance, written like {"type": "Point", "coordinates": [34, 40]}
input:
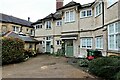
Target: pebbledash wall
{"type": "Point", "coordinates": [80, 27]}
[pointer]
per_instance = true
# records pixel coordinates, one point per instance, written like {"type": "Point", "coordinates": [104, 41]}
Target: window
{"type": "Point", "coordinates": [99, 42]}
{"type": "Point", "coordinates": [48, 38]}
{"type": "Point", "coordinates": [16, 29]}
{"type": "Point", "coordinates": [59, 23]}
{"type": "Point", "coordinates": [48, 25]}
{"type": "Point", "coordinates": [30, 46]}
{"type": "Point", "coordinates": [86, 13]}
{"type": "Point", "coordinates": [69, 16]}
{"type": "Point", "coordinates": [111, 2]}
{"type": "Point", "coordinates": [58, 42]}
{"type": "Point", "coordinates": [114, 36]}
{"type": "Point", "coordinates": [4, 29]}
{"type": "Point", "coordinates": [39, 26]}
{"type": "Point", "coordinates": [86, 43]}
{"type": "Point", "coordinates": [31, 32]}
{"type": "Point", "coordinates": [98, 9]}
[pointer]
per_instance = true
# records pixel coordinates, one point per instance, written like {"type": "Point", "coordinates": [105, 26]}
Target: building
{"type": "Point", "coordinates": [18, 28]}
{"type": "Point", "coordinates": [90, 26]}
{"type": "Point", "coordinates": [10, 23]}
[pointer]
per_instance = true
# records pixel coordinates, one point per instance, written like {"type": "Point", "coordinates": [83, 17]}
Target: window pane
{"type": "Point", "coordinates": [71, 15]}
{"type": "Point", "coordinates": [111, 40]}
{"type": "Point", "coordinates": [83, 14]}
{"type": "Point", "coordinates": [118, 41]}
{"type": "Point", "coordinates": [89, 13]}
{"type": "Point", "coordinates": [67, 16]}
{"type": "Point", "coordinates": [111, 28]}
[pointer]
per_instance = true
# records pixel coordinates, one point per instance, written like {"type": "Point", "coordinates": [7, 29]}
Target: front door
{"type": "Point", "coordinates": [69, 48]}
{"type": "Point", "coordinates": [48, 46]}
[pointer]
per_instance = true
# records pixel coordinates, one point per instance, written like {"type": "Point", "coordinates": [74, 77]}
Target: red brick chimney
{"type": "Point", "coordinates": [59, 4]}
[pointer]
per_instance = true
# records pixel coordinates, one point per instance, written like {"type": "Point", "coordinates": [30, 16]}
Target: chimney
{"type": "Point", "coordinates": [59, 4]}
{"type": "Point", "coordinates": [29, 19]}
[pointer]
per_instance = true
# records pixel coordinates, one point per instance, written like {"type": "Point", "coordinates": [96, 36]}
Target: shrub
{"type": "Point", "coordinates": [117, 76]}
{"type": "Point", "coordinates": [12, 50]}
{"type": "Point", "coordinates": [83, 63]}
{"type": "Point", "coordinates": [105, 67]}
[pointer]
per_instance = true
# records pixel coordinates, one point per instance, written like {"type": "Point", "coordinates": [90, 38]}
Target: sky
{"type": "Point", "coordinates": [35, 9]}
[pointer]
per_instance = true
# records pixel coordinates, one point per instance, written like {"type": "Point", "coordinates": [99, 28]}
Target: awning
{"type": "Point", "coordinates": [66, 37]}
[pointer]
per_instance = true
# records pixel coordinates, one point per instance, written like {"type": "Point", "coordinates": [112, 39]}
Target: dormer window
{"type": "Point", "coordinates": [86, 13]}
{"type": "Point", "coordinates": [48, 25]}
{"type": "Point", "coordinates": [69, 16]}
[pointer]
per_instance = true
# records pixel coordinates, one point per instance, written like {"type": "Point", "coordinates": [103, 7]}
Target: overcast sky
{"type": "Point", "coordinates": [35, 9]}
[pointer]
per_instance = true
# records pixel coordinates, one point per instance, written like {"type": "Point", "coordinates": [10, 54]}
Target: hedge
{"type": "Point", "coordinates": [12, 50]}
{"type": "Point", "coordinates": [105, 67]}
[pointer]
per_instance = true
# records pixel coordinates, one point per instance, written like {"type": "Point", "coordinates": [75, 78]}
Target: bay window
{"type": "Point", "coordinates": [114, 36]}
{"type": "Point", "coordinates": [48, 25]}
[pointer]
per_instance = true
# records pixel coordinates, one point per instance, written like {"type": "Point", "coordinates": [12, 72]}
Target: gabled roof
{"type": "Point", "coordinates": [54, 16]}
{"type": "Point", "coordinates": [10, 19]}
{"type": "Point", "coordinates": [25, 38]}
{"type": "Point", "coordinates": [70, 4]}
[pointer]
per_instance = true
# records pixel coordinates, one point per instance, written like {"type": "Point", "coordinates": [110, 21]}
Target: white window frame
{"type": "Point", "coordinates": [48, 38]}
{"type": "Point", "coordinates": [16, 27]}
{"type": "Point", "coordinates": [59, 42]}
{"type": "Point", "coordinates": [86, 12]}
{"type": "Point", "coordinates": [98, 10]}
{"type": "Point", "coordinates": [49, 23]}
{"type": "Point", "coordinates": [86, 41]}
{"type": "Point", "coordinates": [99, 42]}
{"type": "Point", "coordinates": [68, 17]}
{"type": "Point", "coordinates": [36, 27]}
{"type": "Point", "coordinates": [60, 23]}
{"type": "Point", "coordinates": [114, 33]}
{"type": "Point", "coordinates": [111, 2]}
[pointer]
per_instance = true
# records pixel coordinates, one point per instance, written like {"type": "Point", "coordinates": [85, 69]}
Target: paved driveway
{"type": "Point", "coordinates": [43, 66]}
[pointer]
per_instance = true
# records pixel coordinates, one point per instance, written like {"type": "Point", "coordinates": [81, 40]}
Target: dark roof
{"type": "Point", "coordinates": [87, 5]}
{"type": "Point", "coordinates": [54, 16]}
{"type": "Point", "coordinates": [10, 19]}
{"type": "Point", "coordinates": [22, 37]}
{"type": "Point", "coordinates": [70, 4]}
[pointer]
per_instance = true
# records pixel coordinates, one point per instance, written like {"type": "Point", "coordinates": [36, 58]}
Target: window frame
{"type": "Point", "coordinates": [60, 23]}
{"type": "Point", "coordinates": [48, 25]}
{"type": "Point", "coordinates": [68, 17]}
{"type": "Point", "coordinates": [58, 42]}
{"type": "Point", "coordinates": [86, 13]}
{"type": "Point", "coordinates": [97, 9]}
{"type": "Point", "coordinates": [99, 38]}
{"type": "Point", "coordinates": [86, 41]}
{"type": "Point", "coordinates": [113, 34]}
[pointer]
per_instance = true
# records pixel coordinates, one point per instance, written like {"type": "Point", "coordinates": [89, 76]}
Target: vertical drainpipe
{"type": "Point", "coordinates": [78, 31]}
{"type": "Point", "coordinates": [103, 13]}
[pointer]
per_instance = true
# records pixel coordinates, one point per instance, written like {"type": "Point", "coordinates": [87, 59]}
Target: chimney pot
{"type": "Point", "coordinates": [28, 18]}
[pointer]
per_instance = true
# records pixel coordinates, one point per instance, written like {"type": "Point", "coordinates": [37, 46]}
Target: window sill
{"type": "Point", "coordinates": [97, 15]}
{"type": "Point", "coordinates": [49, 29]}
{"type": "Point", "coordinates": [85, 17]}
{"type": "Point", "coordinates": [69, 22]}
{"type": "Point", "coordinates": [113, 51]}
